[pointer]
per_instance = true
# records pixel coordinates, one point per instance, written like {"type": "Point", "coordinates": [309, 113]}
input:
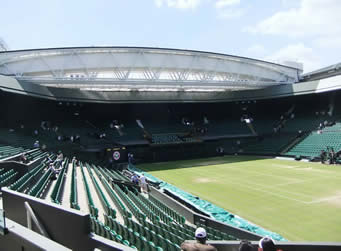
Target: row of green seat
{"type": "Point", "coordinates": [74, 194]}
{"type": "Point", "coordinates": [215, 234]}
{"type": "Point", "coordinates": [8, 151]}
{"type": "Point", "coordinates": [37, 154]}
{"type": "Point", "coordinates": [143, 239]}
{"type": "Point", "coordinates": [108, 209]}
{"type": "Point", "coordinates": [153, 232]}
{"type": "Point", "coordinates": [139, 215]}
{"type": "Point", "coordinates": [117, 175]}
{"type": "Point", "coordinates": [171, 212]}
{"type": "Point", "coordinates": [8, 177]}
{"type": "Point", "coordinates": [176, 229]}
{"type": "Point", "coordinates": [6, 174]}
{"type": "Point", "coordinates": [41, 184]}
{"type": "Point", "coordinates": [23, 184]}
{"type": "Point", "coordinates": [115, 199]}
{"type": "Point", "coordinates": [92, 208]}
{"type": "Point", "coordinates": [100, 229]}
{"type": "Point", "coordinates": [152, 212]}
{"type": "Point", "coordinates": [273, 144]}
{"type": "Point", "coordinates": [56, 192]}
{"type": "Point", "coordinates": [312, 145]}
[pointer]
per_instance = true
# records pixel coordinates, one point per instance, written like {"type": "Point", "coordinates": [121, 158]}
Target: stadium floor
{"type": "Point", "coordinates": [299, 200]}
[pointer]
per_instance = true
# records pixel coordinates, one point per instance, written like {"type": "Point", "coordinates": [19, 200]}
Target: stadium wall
{"type": "Point", "coordinates": [21, 238]}
{"type": "Point", "coordinates": [70, 228]}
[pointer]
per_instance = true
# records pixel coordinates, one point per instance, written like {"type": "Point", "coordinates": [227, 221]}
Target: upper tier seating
{"type": "Point", "coordinates": [312, 145]}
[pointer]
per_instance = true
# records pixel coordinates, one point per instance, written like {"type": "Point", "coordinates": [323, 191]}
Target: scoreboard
{"type": "Point", "coordinates": [117, 154]}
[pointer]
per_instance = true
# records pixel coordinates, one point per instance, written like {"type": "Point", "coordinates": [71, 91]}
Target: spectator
{"type": "Point", "coordinates": [143, 184]}
{"type": "Point", "coordinates": [74, 160]}
{"type": "Point", "coordinates": [23, 158]}
{"type": "Point", "coordinates": [200, 244]}
{"type": "Point", "coordinates": [43, 147]}
{"type": "Point", "coordinates": [59, 159]}
{"type": "Point", "coordinates": [135, 179]}
{"type": "Point", "coordinates": [78, 138]}
{"type": "Point", "coordinates": [43, 125]}
{"type": "Point", "coordinates": [48, 159]}
{"type": "Point", "coordinates": [36, 144]}
{"type": "Point", "coordinates": [206, 122]}
{"type": "Point", "coordinates": [54, 171]}
{"type": "Point", "coordinates": [245, 246]}
{"type": "Point", "coordinates": [131, 158]}
{"type": "Point", "coordinates": [267, 244]}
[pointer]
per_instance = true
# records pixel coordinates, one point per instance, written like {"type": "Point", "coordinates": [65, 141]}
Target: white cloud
{"type": "Point", "coordinates": [158, 3]}
{"type": "Point", "coordinates": [311, 18]}
{"type": "Point", "coordinates": [179, 4]}
{"type": "Point", "coordinates": [224, 3]}
{"type": "Point", "coordinates": [226, 9]}
{"type": "Point", "coordinates": [297, 53]}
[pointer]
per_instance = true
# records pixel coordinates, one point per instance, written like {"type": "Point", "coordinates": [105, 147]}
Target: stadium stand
{"type": "Point", "coordinates": [96, 186]}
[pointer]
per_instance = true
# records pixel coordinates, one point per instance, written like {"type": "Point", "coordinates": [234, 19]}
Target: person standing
{"type": "Point", "coordinates": [143, 184]}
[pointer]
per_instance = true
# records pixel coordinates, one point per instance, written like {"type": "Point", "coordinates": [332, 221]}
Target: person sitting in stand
{"type": "Point", "coordinates": [43, 147]}
{"type": "Point", "coordinates": [245, 246]}
{"type": "Point", "coordinates": [77, 138]}
{"type": "Point", "coordinates": [200, 244]}
{"type": "Point", "coordinates": [135, 179]}
{"type": "Point", "coordinates": [36, 144]}
{"type": "Point", "coordinates": [23, 158]}
{"type": "Point", "coordinates": [267, 244]}
{"type": "Point", "coordinates": [59, 159]}
{"type": "Point", "coordinates": [55, 171]}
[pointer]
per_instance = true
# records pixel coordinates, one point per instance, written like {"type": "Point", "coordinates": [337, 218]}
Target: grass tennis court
{"type": "Point", "coordinates": [301, 201]}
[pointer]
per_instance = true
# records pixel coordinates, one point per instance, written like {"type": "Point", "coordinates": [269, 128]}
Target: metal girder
{"type": "Point", "coordinates": [53, 73]}
{"type": "Point", "coordinates": [145, 65]}
{"type": "Point", "coordinates": [75, 54]}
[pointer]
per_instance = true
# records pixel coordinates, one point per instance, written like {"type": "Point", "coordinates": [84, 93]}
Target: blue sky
{"type": "Point", "coordinates": [307, 31]}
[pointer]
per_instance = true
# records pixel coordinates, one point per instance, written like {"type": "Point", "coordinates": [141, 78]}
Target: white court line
{"type": "Point", "coordinates": [325, 199]}
{"type": "Point", "coordinates": [269, 186]}
{"type": "Point", "coordinates": [252, 188]}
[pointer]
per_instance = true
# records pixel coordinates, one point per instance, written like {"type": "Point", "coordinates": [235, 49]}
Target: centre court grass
{"type": "Point", "coordinates": [301, 201]}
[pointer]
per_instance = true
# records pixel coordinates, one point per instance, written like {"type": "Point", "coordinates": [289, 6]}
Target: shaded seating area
{"type": "Point", "coordinates": [10, 151]}
{"type": "Point", "coordinates": [312, 145]}
{"type": "Point", "coordinates": [172, 138]}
